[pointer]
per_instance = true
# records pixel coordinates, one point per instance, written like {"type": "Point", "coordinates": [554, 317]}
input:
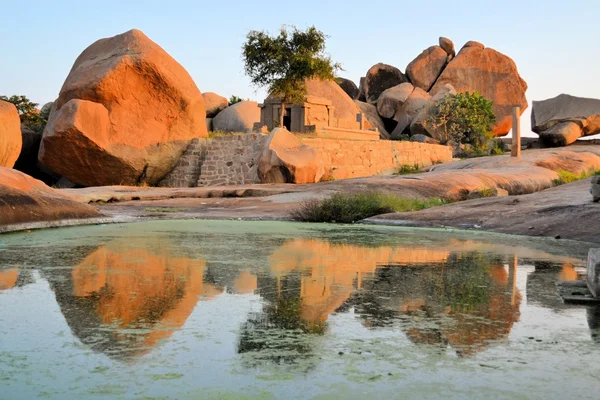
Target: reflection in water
{"type": "Point", "coordinates": [141, 295]}
{"type": "Point", "coordinates": [124, 297]}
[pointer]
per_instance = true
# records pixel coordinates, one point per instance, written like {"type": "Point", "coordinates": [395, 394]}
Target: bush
{"type": "Point", "coordinates": [235, 99]}
{"type": "Point", "coordinates": [351, 207]}
{"type": "Point", "coordinates": [464, 118]}
{"type": "Point", "coordinates": [565, 177]}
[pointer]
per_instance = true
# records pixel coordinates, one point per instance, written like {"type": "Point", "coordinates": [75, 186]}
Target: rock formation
{"type": "Point", "coordinates": [493, 75]}
{"type": "Point", "coordinates": [417, 100]}
{"type": "Point", "coordinates": [562, 120]}
{"type": "Point", "coordinates": [24, 199]}
{"type": "Point", "coordinates": [370, 113]}
{"type": "Point", "coordinates": [424, 70]}
{"type": "Point", "coordinates": [10, 134]}
{"type": "Point", "coordinates": [349, 87]}
{"type": "Point", "coordinates": [125, 114]}
{"type": "Point", "coordinates": [286, 160]}
{"type": "Point", "coordinates": [392, 99]}
{"type": "Point", "coordinates": [448, 46]}
{"type": "Point", "coordinates": [214, 103]}
{"type": "Point", "coordinates": [595, 189]}
{"type": "Point", "coordinates": [239, 117]}
{"type": "Point", "coordinates": [379, 78]}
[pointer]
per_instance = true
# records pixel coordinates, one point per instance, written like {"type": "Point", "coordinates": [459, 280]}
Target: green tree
{"type": "Point", "coordinates": [464, 118]}
{"type": "Point", "coordinates": [282, 63]}
{"type": "Point", "coordinates": [28, 112]}
{"type": "Point", "coordinates": [235, 99]}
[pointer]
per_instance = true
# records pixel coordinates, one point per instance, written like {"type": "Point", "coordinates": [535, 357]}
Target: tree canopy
{"type": "Point", "coordinates": [28, 112]}
{"type": "Point", "coordinates": [282, 63]}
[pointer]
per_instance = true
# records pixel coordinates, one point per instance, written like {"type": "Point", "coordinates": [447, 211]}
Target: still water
{"type": "Point", "coordinates": [219, 309]}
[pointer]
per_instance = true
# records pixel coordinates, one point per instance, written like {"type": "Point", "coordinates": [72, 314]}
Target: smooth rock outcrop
{"type": "Point", "coordinates": [379, 78]}
{"type": "Point", "coordinates": [10, 134]}
{"type": "Point", "coordinates": [24, 200]}
{"type": "Point", "coordinates": [214, 103]}
{"type": "Point", "coordinates": [286, 160]}
{"type": "Point", "coordinates": [424, 70]}
{"type": "Point", "coordinates": [392, 99]}
{"type": "Point", "coordinates": [418, 100]}
{"type": "Point", "coordinates": [125, 114]}
{"type": "Point", "coordinates": [239, 117]}
{"type": "Point", "coordinates": [563, 119]}
{"type": "Point", "coordinates": [370, 113]}
{"type": "Point", "coordinates": [447, 45]}
{"type": "Point", "coordinates": [595, 189]}
{"type": "Point", "coordinates": [492, 74]}
{"type": "Point", "coordinates": [349, 87]}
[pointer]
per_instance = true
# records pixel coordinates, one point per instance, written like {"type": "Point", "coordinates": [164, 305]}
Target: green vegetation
{"type": "Point", "coordinates": [351, 207]}
{"type": "Point", "coordinates": [282, 63]}
{"type": "Point", "coordinates": [30, 115]}
{"type": "Point", "coordinates": [409, 169]}
{"type": "Point", "coordinates": [164, 209]}
{"type": "Point", "coordinates": [565, 177]}
{"type": "Point", "coordinates": [487, 192]}
{"type": "Point", "coordinates": [235, 99]}
{"type": "Point", "coordinates": [466, 118]}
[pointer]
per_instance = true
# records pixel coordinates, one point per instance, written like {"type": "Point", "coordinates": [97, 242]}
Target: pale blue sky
{"type": "Point", "coordinates": [554, 43]}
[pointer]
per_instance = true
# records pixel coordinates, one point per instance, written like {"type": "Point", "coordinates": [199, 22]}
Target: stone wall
{"type": "Point", "coordinates": [345, 159]}
{"type": "Point", "coordinates": [233, 159]}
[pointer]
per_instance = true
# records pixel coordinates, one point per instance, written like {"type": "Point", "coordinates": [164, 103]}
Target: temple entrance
{"type": "Point", "coordinates": [287, 119]}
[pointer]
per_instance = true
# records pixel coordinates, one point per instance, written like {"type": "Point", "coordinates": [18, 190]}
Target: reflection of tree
{"type": "Point", "coordinates": [278, 334]}
{"type": "Point", "coordinates": [122, 300]}
{"type": "Point", "coordinates": [466, 302]}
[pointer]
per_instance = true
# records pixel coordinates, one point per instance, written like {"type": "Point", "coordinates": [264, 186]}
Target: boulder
{"type": "Point", "coordinates": [379, 78]}
{"type": "Point", "coordinates": [472, 43]}
{"type": "Point", "coordinates": [209, 124]}
{"type": "Point", "coordinates": [595, 189]}
{"type": "Point", "coordinates": [10, 134]}
{"type": "Point", "coordinates": [561, 134]}
{"type": "Point", "coordinates": [286, 160]}
{"type": "Point", "coordinates": [447, 45]}
{"type": "Point", "coordinates": [392, 99]}
{"type": "Point", "coordinates": [593, 272]}
{"type": "Point", "coordinates": [125, 114]}
{"type": "Point", "coordinates": [344, 106]}
{"type": "Point", "coordinates": [419, 124]}
{"type": "Point", "coordinates": [349, 87]}
{"type": "Point", "coordinates": [418, 100]}
{"type": "Point", "coordinates": [214, 103]}
{"type": "Point", "coordinates": [361, 90]}
{"type": "Point", "coordinates": [370, 113]}
{"type": "Point", "coordinates": [28, 158]}
{"type": "Point", "coordinates": [239, 117]}
{"type": "Point", "coordinates": [424, 70]}
{"type": "Point", "coordinates": [423, 139]}
{"type": "Point", "coordinates": [493, 75]}
{"type": "Point", "coordinates": [25, 200]}
{"type": "Point", "coordinates": [563, 119]}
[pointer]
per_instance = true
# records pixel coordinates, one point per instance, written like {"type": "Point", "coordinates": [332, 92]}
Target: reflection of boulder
{"type": "Point", "coordinates": [8, 278]}
{"type": "Point", "coordinates": [458, 302]}
{"type": "Point", "coordinates": [122, 300]}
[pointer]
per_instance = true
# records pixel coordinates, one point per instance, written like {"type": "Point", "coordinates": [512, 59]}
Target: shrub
{"type": "Point", "coordinates": [464, 118]}
{"type": "Point", "coordinates": [409, 169]}
{"type": "Point", "coordinates": [351, 207]}
{"type": "Point", "coordinates": [28, 112]}
{"type": "Point", "coordinates": [565, 177]}
{"type": "Point", "coordinates": [235, 99]}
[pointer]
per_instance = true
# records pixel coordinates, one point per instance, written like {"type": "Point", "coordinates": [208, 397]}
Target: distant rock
{"type": "Point", "coordinates": [392, 99]}
{"type": "Point", "coordinates": [493, 75]}
{"type": "Point", "coordinates": [561, 120]}
{"type": "Point", "coordinates": [286, 160]}
{"type": "Point", "coordinates": [379, 78]}
{"type": "Point", "coordinates": [349, 87]}
{"type": "Point", "coordinates": [10, 134]}
{"type": "Point", "coordinates": [424, 70]}
{"type": "Point", "coordinates": [418, 100]}
{"type": "Point", "coordinates": [24, 199]}
{"type": "Point", "coordinates": [214, 103]}
{"type": "Point", "coordinates": [448, 46]}
{"type": "Point", "coordinates": [239, 117]}
{"type": "Point", "coordinates": [370, 113]}
{"type": "Point", "coordinates": [125, 114]}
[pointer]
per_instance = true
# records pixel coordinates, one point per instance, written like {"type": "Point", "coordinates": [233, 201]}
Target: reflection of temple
{"type": "Point", "coordinates": [141, 295]}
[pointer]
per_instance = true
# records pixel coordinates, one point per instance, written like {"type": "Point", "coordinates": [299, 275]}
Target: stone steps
{"type": "Point", "coordinates": [187, 170]}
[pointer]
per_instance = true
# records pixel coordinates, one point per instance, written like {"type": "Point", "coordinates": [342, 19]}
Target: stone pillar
{"type": "Point", "coordinates": [593, 272]}
{"type": "Point", "coordinates": [515, 150]}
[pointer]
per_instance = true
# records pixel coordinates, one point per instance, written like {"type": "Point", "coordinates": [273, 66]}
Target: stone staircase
{"type": "Point", "coordinates": [187, 170]}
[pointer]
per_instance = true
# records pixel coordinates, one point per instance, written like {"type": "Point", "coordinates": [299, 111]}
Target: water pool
{"type": "Point", "coordinates": [228, 309]}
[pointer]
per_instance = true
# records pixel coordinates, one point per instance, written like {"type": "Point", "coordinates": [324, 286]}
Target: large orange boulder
{"type": "Point", "coordinates": [424, 70]}
{"type": "Point", "coordinates": [10, 134]}
{"type": "Point", "coordinates": [286, 160]}
{"type": "Point", "coordinates": [492, 74]}
{"type": "Point", "coordinates": [125, 114]}
{"type": "Point", "coordinates": [24, 199]}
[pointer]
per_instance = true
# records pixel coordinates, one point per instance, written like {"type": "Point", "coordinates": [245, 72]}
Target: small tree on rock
{"type": "Point", "coordinates": [28, 112]}
{"type": "Point", "coordinates": [464, 118]}
{"type": "Point", "coordinates": [282, 63]}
